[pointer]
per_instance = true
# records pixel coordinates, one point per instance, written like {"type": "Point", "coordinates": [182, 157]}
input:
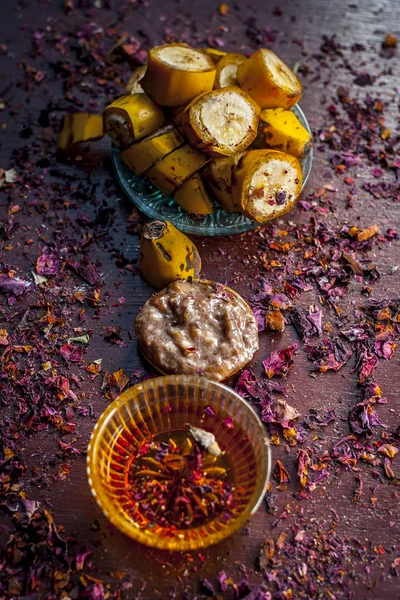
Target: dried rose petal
{"type": "Point", "coordinates": [71, 353]}
{"type": "Point", "coordinates": [385, 349]}
{"type": "Point", "coordinates": [13, 285]}
{"type": "Point", "coordinates": [48, 263]}
{"type": "Point", "coordinates": [279, 362]}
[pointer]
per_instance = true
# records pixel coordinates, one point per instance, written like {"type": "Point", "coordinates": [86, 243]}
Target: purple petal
{"type": "Point", "coordinates": [279, 362]}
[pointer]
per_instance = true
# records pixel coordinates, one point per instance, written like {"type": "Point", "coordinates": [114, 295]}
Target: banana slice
{"type": "Point", "coordinates": [222, 122]}
{"type": "Point", "coordinates": [176, 74]}
{"type": "Point", "coordinates": [266, 78]}
{"type": "Point", "coordinates": [131, 118]}
{"type": "Point", "coordinates": [217, 175]}
{"type": "Point", "coordinates": [227, 69]}
{"type": "Point", "coordinates": [192, 196]}
{"type": "Point", "coordinates": [281, 130]}
{"type": "Point", "coordinates": [150, 150]}
{"type": "Point", "coordinates": [214, 54]}
{"type": "Point", "coordinates": [133, 86]}
{"type": "Point", "coordinates": [266, 184]}
{"type": "Point", "coordinates": [77, 128]}
{"type": "Point", "coordinates": [175, 168]}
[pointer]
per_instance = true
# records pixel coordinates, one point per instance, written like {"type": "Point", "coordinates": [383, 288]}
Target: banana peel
{"type": "Point", "coordinates": [214, 54]}
{"type": "Point", "coordinates": [280, 129]}
{"type": "Point", "coordinates": [77, 128]}
{"type": "Point", "coordinates": [166, 254]}
{"type": "Point", "coordinates": [269, 81]}
{"type": "Point", "coordinates": [170, 172]}
{"type": "Point", "coordinates": [192, 196]}
{"type": "Point", "coordinates": [217, 175]}
{"type": "Point", "coordinates": [147, 152]}
{"type": "Point", "coordinates": [130, 118]}
{"type": "Point", "coordinates": [133, 86]}
{"type": "Point", "coordinates": [266, 184]}
{"type": "Point", "coordinates": [177, 73]}
{"type": "Point", "coordinates": [227, 70]}
{"type": "Point", "coordinates": [177, 118]}
{"type": "Point", "coordinates": [222, 122]}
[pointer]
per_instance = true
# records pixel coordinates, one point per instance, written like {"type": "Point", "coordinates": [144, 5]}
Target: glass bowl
{"type": "Point", "coordinates": [156, 206]}
{"type": "Point", "coordinates": [165, 405]}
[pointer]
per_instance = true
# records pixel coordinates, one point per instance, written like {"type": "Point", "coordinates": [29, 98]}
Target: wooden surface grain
{"type": "Point", "coordinates": [298, 34]}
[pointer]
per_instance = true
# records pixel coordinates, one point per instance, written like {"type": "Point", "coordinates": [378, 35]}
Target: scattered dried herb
{"type": "Point", "coordinates": [180, 483]}
{"type": "Point", "coordinates": [60, 235]}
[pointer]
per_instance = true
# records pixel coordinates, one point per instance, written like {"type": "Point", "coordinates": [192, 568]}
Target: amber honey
{"type": "Point", "coordinates": [157, 484]}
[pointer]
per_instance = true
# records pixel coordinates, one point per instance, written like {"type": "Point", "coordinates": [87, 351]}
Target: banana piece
{"type": "Point", "coordinates": [266, 78]}
{"type": "Point", "coordinates": [222, 122]}
{"type": "Point", "coordinates": [147, 152]}
{"type": "Point", "coordinates": [176, 74]}
{"type": "Point", "coordinates": [280, 129]}
{"type": "Point", "coordinates": [193, 197]}
{"type": "Point", "coordinates": [266, 184]}
{"type": "Point", "coordinates": [227, 69]}
{"type": "Point", "coordinates": [131, 118]}
{"type": "Point", "coordinates": [79, 127]}
{"type": "Point", "coordinates": [176, 115]}
{"type": "Point", "coordinates": [166, 254]}
{"type": "Point", "coordinates": [217, 175]}
{"type": "Point", "coordinates": [170, 172]}
{"type": "Point", "coordinates": [133, 86]}
{"type": "Point", "coordinates": [214, 54]}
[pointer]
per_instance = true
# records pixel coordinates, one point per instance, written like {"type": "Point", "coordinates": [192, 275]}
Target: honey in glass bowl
{"type": "Point", "coordinates": [156, 482]}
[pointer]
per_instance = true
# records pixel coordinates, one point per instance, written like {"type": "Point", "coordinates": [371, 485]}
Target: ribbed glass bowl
{"type": "Point", "coordinates": [167, 404]}
{"type": "Point", "coordinates": [154, 205]}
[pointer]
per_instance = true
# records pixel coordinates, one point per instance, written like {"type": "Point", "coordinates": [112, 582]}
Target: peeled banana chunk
{"type": "Point", "coordinates": [177, 73]}
{"type": "Point", "coordinates": [150, 150]}
{"type": "Point", "coordinates": [267, 184]}
{"type": "Point", "coordinates": [227, 70]}
{"type": "Point", "coordinates": [131, 118]}
{"type": "Point", "coordinates": [77, 128]}
{"type": "Point", "coordinates": [222, 122]}
{"type": "Point", "coordinates": [133, 86]}
{"type": "Point", "coordinates": [269, 81]}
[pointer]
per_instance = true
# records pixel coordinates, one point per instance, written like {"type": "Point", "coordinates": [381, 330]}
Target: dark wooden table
{"type": "Point", "coordinates": [56, 58]}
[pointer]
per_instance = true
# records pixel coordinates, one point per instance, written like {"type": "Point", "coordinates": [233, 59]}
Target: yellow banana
{"type": "Point", "coordinates": [217, 174]}
{"type": "Point", "coordinates": [79, 127]}
{"type": "Point", "coordinates": [166, 254]}
{"type": "Point", "coordinates": [280, 129]}
{"type": "Point", "coordinates": [266, 184]}
{"type": "Point", "coordinates": [134, 86]}
{"type": "Point", "coordinates": [227, 69]}
{"type": "Point", "coordinates": [214, 54]}
{"type": "Point", "coordinates": [177, 117]}
{"type": "Point", "coordinates": [176, 74]}
{"type": "Point", "coordinates": [222, 122]}
{"type": "Point", "coordinates": [131, 118]}
{"type": "Point", "coordinates": [170, 172]}
{"type": "Point", "coordinates": [193, 197]}
{"type": "Point", "coordinates": [147, 152]}
{"type": "Point", "coordinates": [266, 78]}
